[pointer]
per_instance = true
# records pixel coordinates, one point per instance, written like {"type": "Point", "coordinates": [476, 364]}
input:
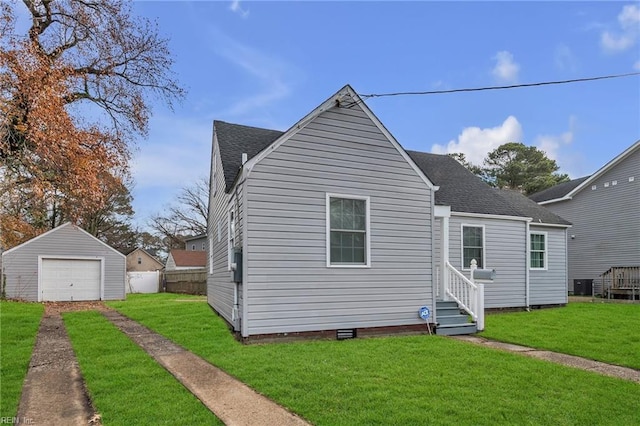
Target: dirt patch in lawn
{"type": "Point", "coordinates": [56, 308]}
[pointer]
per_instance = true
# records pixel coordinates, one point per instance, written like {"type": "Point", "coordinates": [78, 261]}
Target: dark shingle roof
{"type": "Point", "coordinates": [530, 208]}
{"type": "Point", "coordinates": [467, 193]}
{"type": "Point", "coordinates": [557, 191]}
{"type": "Point", "coordinates": [459, 188]}
{"type": "Point", "coordinates": [234, 140]}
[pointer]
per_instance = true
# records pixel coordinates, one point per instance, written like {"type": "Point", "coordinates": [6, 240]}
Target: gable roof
{"type": "Point", "coordinates": [589, 179]}
{"type": "Point", "coordinates": [557, 191]}
{"type": "Point", "coordinates": [189, 258]}
{"type": "Point", "coordinates": [236, 139]}
{"type": "Point", "coordinates": [254, 141]}
{"type": "Point", "coordinates": [145, 252]}
{"type": "Point", "coordinates": [57, 229]}
{"type": "Point", "coordinates": [467, 193]}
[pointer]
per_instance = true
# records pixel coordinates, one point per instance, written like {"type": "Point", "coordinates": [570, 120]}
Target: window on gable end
{"type": "Point", "coordinates": [348, 231]}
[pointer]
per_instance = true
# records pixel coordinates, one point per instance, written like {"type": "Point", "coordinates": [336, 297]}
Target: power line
{"type": "Point", "coordinates": [512, 86]}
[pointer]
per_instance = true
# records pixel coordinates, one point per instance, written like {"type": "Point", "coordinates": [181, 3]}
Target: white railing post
{"type": "Point", "coordinates": [480, 323]}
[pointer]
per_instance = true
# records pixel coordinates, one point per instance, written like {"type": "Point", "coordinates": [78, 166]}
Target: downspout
{"type": "Point", "coordinates": [433, 259]}
{"type": "Point", "coordinates": [526, 263]}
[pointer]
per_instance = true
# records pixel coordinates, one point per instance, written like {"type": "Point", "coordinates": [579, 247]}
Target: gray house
{"type": "Point", "coordinates": [604, 243]}
{"type": "Point", "coordinates": [332, 227]}
{"type": "Point", "coordinates": [196, 243]}
{"type": "Point", "coordinates": [64, 264]}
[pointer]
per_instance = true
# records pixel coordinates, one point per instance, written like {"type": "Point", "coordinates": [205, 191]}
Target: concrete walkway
{"type": "Point", "coordinates": [53, 392]}
{"type": "Point", "coordinates": [231, 400]}
{"type": "Point", "coordinates": [564, 359]}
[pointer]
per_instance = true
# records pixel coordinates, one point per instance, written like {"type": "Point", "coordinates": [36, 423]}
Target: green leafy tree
{"type": "Point", "coordinates": [525, 168]}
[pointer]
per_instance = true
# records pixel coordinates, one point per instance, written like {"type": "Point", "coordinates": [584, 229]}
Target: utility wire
{"type": "Point", "coordinates": [512, 86]}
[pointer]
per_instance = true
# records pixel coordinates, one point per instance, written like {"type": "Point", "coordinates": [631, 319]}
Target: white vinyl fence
{"type": "Point", "coordinates": [143, 282]}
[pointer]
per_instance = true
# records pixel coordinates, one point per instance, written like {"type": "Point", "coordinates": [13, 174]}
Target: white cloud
{"type": "Point", "coordinates": [272, 75]}
{"type": "Point", "coordinates": [236, 8]}
{"type": "Point", "coordinates": [475, 142]}
{"type": "Point", "coordinates": [506, 70]}
{"type": "Point", "coordinates": [565, 59]}
{"type": "Point", "coordinates": [628, 33]}
{"type": "Point", "coordinates": [553, 144]}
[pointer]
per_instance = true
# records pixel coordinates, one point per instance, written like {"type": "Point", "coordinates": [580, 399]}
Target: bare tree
{"type": "Point", "coordinates": [187, 216]}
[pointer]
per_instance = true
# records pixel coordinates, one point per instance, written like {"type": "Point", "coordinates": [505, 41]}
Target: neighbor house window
{"type": "Point", "coordinates": [348, 230]}
{"type": "Point", "coordinates": [472, 245]}
{"type": "Point", "coordinates": [538, 250]}
{"type": "Point", "coordinates": [139, 261]}
{"type": "Point", "coordinates": [204, 246]}
{"type": "Point", "coordinates": [193, 247]}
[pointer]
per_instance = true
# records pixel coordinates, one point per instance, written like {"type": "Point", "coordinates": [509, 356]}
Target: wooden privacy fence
{"type": "Point", "coordinates": [191, 281]}
{"type": "Point", "coordinates": [622, 281]}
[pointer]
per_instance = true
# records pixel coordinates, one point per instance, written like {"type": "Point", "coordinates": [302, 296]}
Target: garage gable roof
{"type": "Point", "coordinates": [58, 229]}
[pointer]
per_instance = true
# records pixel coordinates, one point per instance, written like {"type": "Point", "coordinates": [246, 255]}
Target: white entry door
{"type": "Point", "coordinates": [70, 279]}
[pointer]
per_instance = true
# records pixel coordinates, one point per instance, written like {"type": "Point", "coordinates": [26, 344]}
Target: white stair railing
{"type": "Point", "coordinates": [468, 295]}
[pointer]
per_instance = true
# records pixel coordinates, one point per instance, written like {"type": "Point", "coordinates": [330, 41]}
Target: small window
{"type": "Point", "coordinates": [347, 230]}
{"type": "Point", "coordinates": [204, 246]}
{"type": "Point", "coordinates": [193, 247]}
{"type": "Point", "coordinates": [593, 187]}
{"type": "Point", "coordinates": [472, 245]}
{"type": "Point", "coordinates": [606, 184]}
{"type": "Point", "coordinates": [632, 178]}
{"type": "Point", "coordinates": [538, 250]}
{"type": "Point", "coordinates": [139, 261]}
{"type": "Point", "coordinates": [614, 182]}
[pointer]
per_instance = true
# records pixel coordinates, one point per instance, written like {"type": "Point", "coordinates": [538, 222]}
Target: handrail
{"type": "Point", "coordinates": [468, 295]}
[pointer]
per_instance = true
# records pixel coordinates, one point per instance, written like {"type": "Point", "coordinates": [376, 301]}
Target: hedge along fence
{"type": "Point", "coordinates": [191, 281]}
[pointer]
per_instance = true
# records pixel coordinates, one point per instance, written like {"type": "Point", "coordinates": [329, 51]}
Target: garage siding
{"type": "Point", "coordinates": [21, 264]}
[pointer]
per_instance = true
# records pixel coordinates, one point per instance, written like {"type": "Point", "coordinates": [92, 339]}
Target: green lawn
{"type": "Point", "coordinates": [125, 384]}
{"type": "Point", "coordinates": [19, 324]}
{"type": "Point", "coordinates": [396, 380]}
{"type": "Point", "coordinates": [601, 331]}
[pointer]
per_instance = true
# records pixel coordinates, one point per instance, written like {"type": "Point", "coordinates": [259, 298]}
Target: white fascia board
{"type": "Point", "coordinates": [325, 106]}
{"type": "Point", "coordinates": [37, 237]}
{"type": "Point", "coordinates": [391, 139]}
{"type": "Point", "coordinates": [555, 200]}
{"type": "Point", "coordinates": [550, 225]}
{"type": "Point", "coordinates": [492, 216]}
{"type": "Point", "coordinates": [600, 172]}
{"type": "Point", "coordinates": [64, 225]}
{"type": "Point", "coordinates": [333, 101]}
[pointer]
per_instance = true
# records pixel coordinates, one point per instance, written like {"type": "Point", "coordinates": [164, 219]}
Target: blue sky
{"type": "Point", "coordinates": [267, 64]}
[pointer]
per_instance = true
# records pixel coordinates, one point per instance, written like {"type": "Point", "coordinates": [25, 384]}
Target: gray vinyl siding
{"type": "Point", "coordinates": [21, 264]}
{"type": "Point", "coordinates": [289, 286]}
{"type": "Point", "coordinates": [606, 222]}
{"type": "Point", "coordinates": [220, 287]}
{"type": "Point", "coordinates": [549, 286]}
{"type": "Point", "coordinates": [505, 251]}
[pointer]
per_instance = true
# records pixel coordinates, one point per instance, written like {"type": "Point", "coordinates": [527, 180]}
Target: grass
{"type": "Point", "coordinates": [19, 324]}
{"type": "Point", "coordinates": [600, 331]}
{"type": "Point", "coordinates": [397, 380]}
{"type": "Point", "coordinates": [125, 384]}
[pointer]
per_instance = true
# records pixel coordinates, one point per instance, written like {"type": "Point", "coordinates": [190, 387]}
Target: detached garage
{"type": "Point", "coordinates": [64, 264]}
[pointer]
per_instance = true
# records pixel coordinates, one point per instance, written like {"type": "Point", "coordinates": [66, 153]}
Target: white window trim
{"type": "Point", "coordinates": [484, 244]}
{"type": "Point", "coordinates": [367, 200]}
{"type": "Point", "coordinates": [230, 235]}
{"type": "Point", "coordinates": [546, 250]}
{"type": "Point", "coordinates": [219, 230]}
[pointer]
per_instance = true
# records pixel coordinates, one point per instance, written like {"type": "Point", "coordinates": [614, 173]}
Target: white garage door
{"type": "Point", "coordinates": [70, 279]}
